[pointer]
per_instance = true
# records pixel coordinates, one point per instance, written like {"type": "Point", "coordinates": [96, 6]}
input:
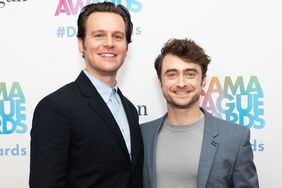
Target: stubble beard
{"type": "Point", "coordinates": [173, 103]}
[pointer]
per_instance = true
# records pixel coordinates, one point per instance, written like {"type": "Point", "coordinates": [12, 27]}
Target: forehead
{"type": "Point", "coordinates": [173, 62]}
{"type": "Point", "coordinates": [107, 21]}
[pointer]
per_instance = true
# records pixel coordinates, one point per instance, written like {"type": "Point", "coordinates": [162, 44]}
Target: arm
{"type": "Point", "coordinates": [50, 137]}
{"type": "Point", "coordinates": [245, 174]}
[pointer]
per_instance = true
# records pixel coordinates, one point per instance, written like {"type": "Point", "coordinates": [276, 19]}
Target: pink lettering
{"type": "Point", "coordinates": [62, 8]}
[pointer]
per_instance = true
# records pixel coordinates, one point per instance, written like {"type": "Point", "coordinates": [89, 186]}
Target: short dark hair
{"type": "Point", "coordinates": [185, 49]}
{"type": "Point", "coordinates": [103, 7]}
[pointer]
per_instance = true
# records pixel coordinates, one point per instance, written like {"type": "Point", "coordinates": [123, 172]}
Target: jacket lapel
{"type": "Point", "coordinates": [208, 151]}
{"type": "Point", "coordinates": [97, 103]}
{"type": "Point", "coordinates": [132, 128]}
{"type": "Point", "coordinates": [152, 151]}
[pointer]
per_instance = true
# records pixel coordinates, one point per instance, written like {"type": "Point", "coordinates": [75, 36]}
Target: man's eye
{"type": "Point", "coordinates": [190, 74]}
{"type": "Point", "coordinates": [171, 75]}
{"type": "Point", "coordinates": [98, 36]}
{"type": "Point", "coordinates": [119, 37]}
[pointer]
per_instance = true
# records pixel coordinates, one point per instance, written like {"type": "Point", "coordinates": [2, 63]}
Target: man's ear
{"type": "Point", "coordinates": [80, 45]}
{"type": "Point", "coordinates": [204, 80]}
{"type": "Point", "coordinates": [160, 82]}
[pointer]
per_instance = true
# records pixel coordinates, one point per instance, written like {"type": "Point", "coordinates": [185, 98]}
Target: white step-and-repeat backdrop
{"type": "Point", "coordinates": [39, 53]}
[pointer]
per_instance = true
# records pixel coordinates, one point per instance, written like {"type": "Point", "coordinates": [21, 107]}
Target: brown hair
{"type": "Point", "coordinates": [103, 7]}
{"type": "Point", "coordinates": [185, 49]}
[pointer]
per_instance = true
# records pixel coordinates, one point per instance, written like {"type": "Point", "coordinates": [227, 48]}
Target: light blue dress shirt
{"type": "Point", "coordinates": [113, 101]}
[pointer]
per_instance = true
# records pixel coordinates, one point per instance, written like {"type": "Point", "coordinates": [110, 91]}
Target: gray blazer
{"type": "Point", "coordinates": [226, 159]}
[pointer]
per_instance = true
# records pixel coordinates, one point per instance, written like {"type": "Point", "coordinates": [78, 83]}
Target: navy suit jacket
{"type": "Point", "coordinates": [76, 142]}
{"type": "Point", "coordinates": [226, 159]}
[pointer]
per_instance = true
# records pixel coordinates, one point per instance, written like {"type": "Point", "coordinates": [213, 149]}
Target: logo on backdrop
{"type": "Point", "coordinates": [239, 100]}
{"type": "Point", "coordinates": [12, 109]}
{"type": "Point", "coordinates": [3, 3]}
{"type": "Point", "coordinates": [73, 7]}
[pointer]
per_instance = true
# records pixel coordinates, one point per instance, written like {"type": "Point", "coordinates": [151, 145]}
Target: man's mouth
{"type": "Point", "coordinates": [181, 92]}
{"type": "Point", "coordinates": [107, 55]}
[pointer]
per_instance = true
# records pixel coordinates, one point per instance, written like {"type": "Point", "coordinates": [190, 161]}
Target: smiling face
{"type": "Point", "coordinates": [104, 46]}
{"type": "Point", "coordinates": [181, 82]}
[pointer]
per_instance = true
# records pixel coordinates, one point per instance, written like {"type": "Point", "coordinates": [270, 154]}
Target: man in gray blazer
{"type": "Point", "coordinates": [188, 147]}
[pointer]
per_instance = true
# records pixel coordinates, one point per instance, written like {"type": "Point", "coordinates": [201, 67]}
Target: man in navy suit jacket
{"type": "Point", "coordinates": [188, 147]}
{"type": "Point", "coordinates": [79, 138]}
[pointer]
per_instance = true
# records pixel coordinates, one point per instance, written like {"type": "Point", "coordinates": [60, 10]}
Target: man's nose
{"type": "Point", "coordinates": [181, 81]}
{"type": "Point", "coordinates": [108, 41]}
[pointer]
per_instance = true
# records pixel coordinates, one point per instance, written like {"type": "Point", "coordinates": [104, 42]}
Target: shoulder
{"type": "Point", "coordinates": [63, 93]}
{"type": "Point", "coordinates": [222, 124]}
{"type": "Point", "coordinates": [153, 122]}
{"type": "Point", "coordinates": [59, 99]}
{"type": "Point", "coordinates": [230, 130]}
{"type": "Point", "coordinates": [233, 128]}
{"type": "Point", "coordinates": [148, 127]}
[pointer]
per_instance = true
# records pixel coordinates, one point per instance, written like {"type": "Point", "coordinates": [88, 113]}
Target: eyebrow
{"type": "Point", "coordinates": [185, 70]}
{"type": "Point", "coordinates": [103, 31]}
{"type": "Point", "coordinates": [191, 69]}
{"type": "Point", "coordinates": [170, 70]}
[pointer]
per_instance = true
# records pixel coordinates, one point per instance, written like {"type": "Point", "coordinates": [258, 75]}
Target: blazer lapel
{"type": "Point", "coordinates": [97, 103]}
{"type": "Point", "coordinates": [152, 151]}
{"type": "Point", "coordinates": [208, 151]}
{"type": "Point", "coordinates": [132, 127]}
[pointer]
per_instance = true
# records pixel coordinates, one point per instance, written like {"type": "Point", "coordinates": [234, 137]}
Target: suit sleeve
{"type": "Point", "coordinates": [245, 174]}
{"type": "Point", "coordinates": [50, 138]}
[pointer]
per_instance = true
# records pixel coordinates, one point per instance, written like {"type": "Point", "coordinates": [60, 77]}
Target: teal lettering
{"type": "Point", "coordinates": [3, 91]}
{"type": "Point", "coordinates": [8, 126]}
{"type": "Point", "coordinates": [240, 103]}
{"type": "Point", "coordinates": [16, 92]}
{"type": "Point", "coordinates": [7, 109]}
{"type": "Point", "coordinates": [246, 119]}
{"type": "Point", "coordinates": [232, 117]}
{"type": "Point", "coordinates": [12, 110]}
{"type": "Point", "coordinates": [259, 121]}
{"type": "Point", "coordinates": [228, 85]}
{"type": "Point", "coordinates": [254, 87]}
{"type": "Point", "coordinates": [229, 105]}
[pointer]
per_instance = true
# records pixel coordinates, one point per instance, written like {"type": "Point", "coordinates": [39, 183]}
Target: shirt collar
{"type": "Point", "coordinates": [103, 89]}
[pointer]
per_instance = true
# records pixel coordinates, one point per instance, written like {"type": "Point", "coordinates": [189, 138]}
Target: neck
{"type": "Point", "coordinates": [177, 116]}
{"type": "Point", "coordinates": [109, 79]}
